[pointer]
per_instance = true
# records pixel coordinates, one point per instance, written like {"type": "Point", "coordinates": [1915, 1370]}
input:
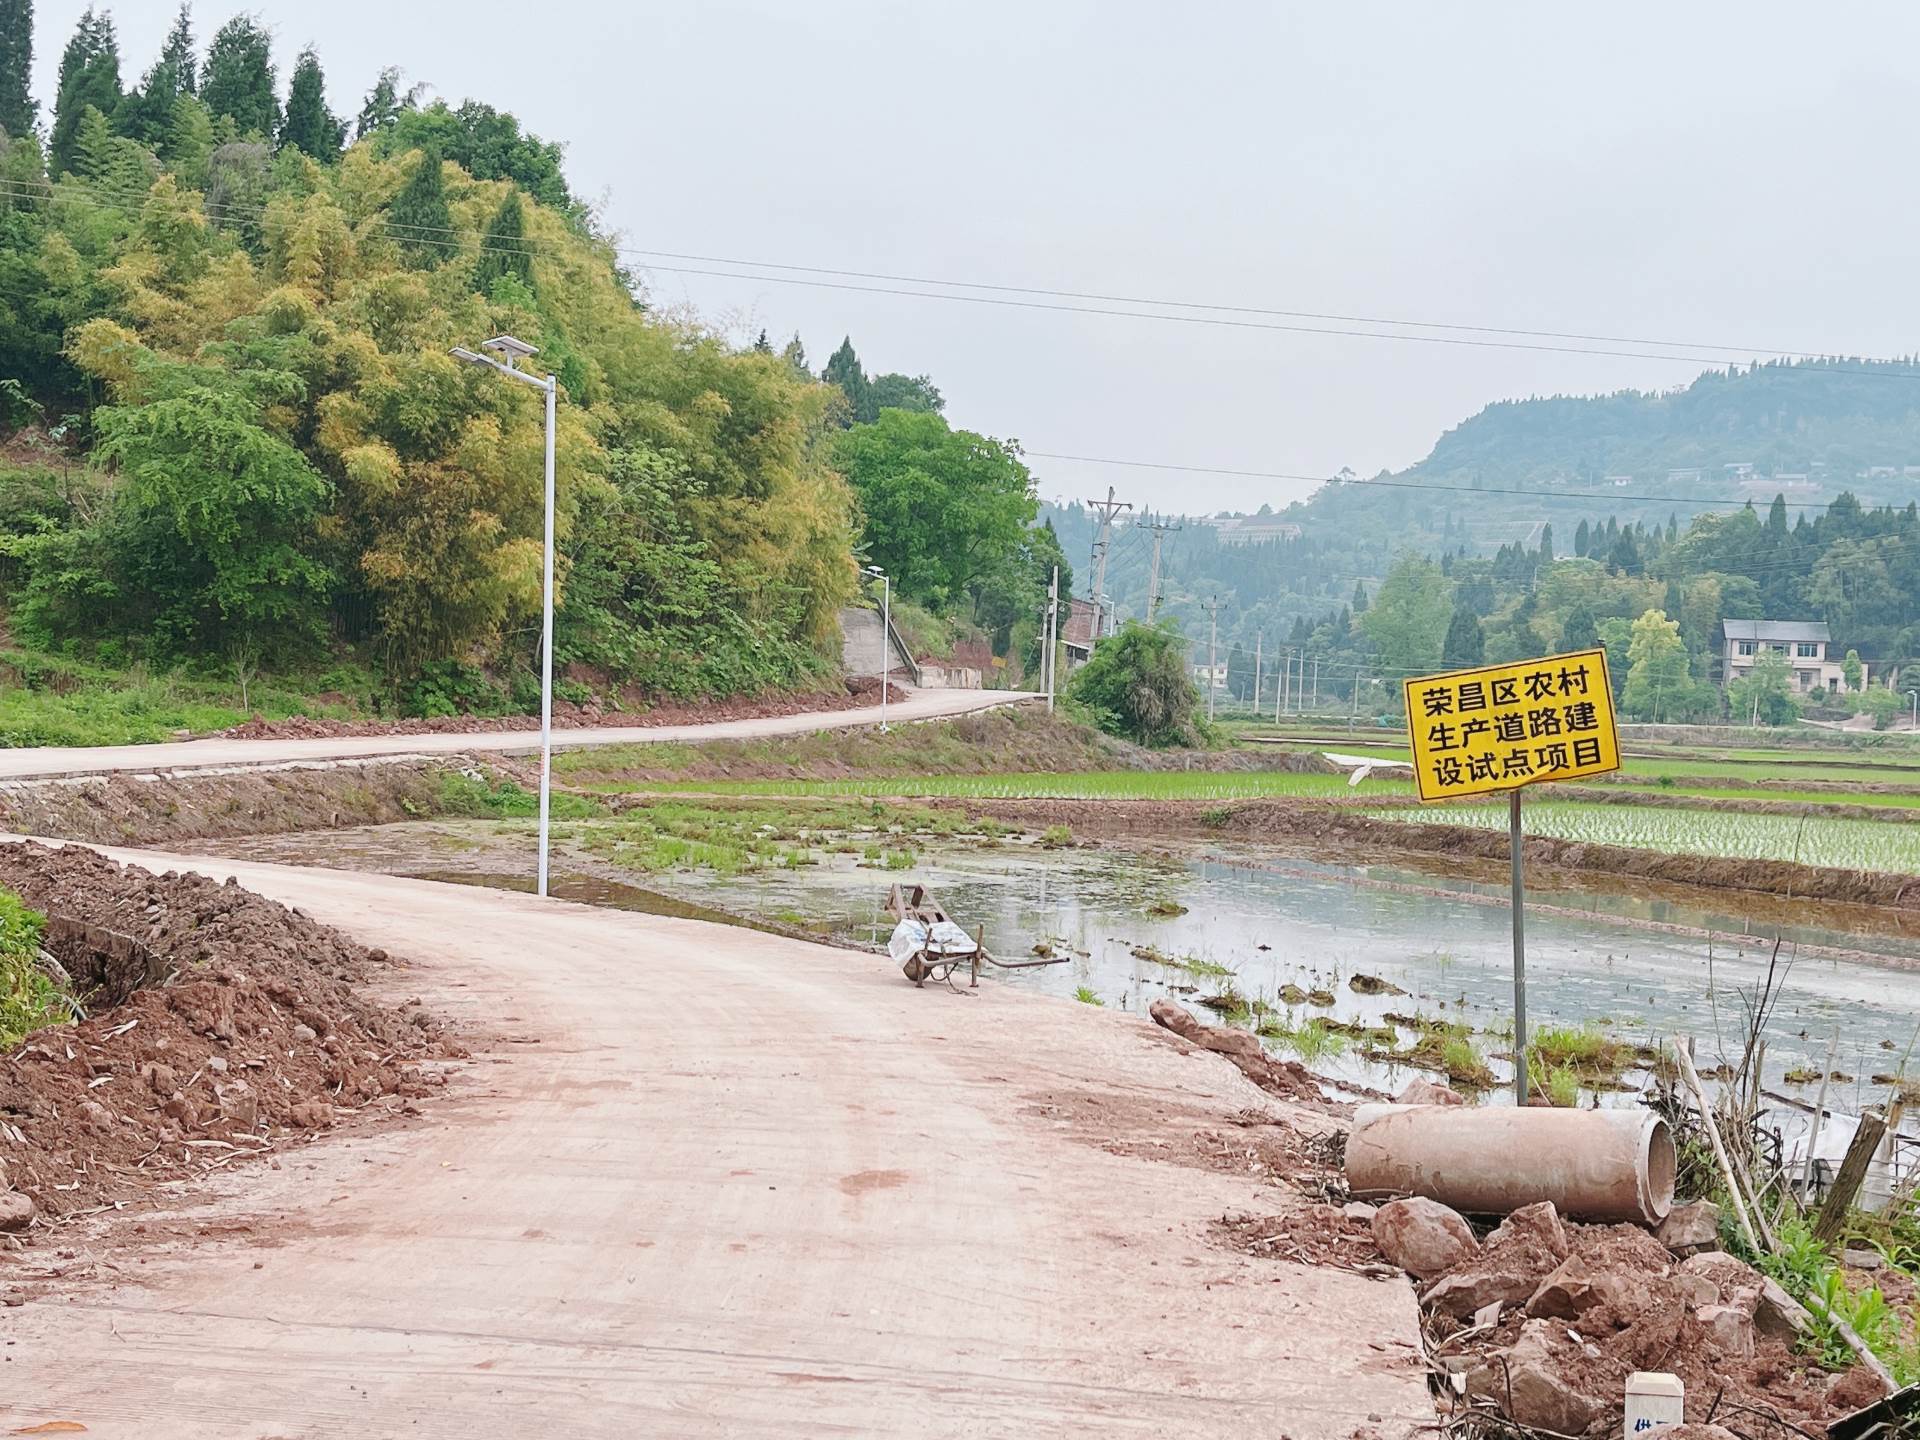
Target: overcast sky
{"type": "Point", "coordinates": [1725, 174]}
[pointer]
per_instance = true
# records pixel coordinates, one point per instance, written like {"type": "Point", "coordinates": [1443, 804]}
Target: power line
{"type": "Point", "coordinates": [1409, 484]}
{"type": "Point", "coordinates": [458, 240]}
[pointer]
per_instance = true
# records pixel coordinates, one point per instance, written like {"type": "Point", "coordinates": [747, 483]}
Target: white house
{"type": "Point", "coordinates": [1803, 642]}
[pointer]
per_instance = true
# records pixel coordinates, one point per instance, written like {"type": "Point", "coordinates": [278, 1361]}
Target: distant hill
{"type": "Point", "coordinates": [1811, 430]}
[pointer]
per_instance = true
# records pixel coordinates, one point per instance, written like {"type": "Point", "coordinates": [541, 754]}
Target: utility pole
{"type": "Point", "coordinates": [1160, 532]}
{"type": "Point", "coordinates": [1279, 689]}
{"type": "Point", "coordinates": [1051, 658]}
{"type": "Point", "coordinates": [1258, 641]}
{"type": "Point", "coordinates": [1286, 685]}
{"type": "Point", "coordinates": [1316, 683]}
{"type": "Point", "coordinates": [1213, 635]}
{"type": "Point", "coordinates": [1101, 546]}
{"type": "Point", "coordinates": [1353, 706]}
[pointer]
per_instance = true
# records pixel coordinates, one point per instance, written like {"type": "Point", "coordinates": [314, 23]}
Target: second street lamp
{"type": "Point", "coordinates": [504, 351]}
{"type": "Point", "coordinates": [886, 637]}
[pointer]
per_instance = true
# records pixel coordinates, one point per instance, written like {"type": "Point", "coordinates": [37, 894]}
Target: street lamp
{"type": "Point", "coordinates": [886, 637]}
{"type": "Point", "coordinates": [1914, 695]}
{"type": "Point", "coordinates": [504, 352]}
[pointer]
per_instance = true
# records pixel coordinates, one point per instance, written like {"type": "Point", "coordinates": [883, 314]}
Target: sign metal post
{"type": "Point", "coordinates": [1505, 727]}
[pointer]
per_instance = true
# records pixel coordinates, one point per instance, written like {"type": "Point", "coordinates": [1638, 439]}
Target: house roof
{"type": "Point", "coordinates": [1785, 630]}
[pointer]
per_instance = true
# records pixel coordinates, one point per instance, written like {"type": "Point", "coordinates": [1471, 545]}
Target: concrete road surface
{"type": "Point", "coordinates": [195, 754]}
{"type": "Point", "coordinates": [707, 1182]}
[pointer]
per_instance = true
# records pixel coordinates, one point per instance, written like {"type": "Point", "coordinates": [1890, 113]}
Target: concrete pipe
{"type": "Point", "coordinates": [1605, 1165]}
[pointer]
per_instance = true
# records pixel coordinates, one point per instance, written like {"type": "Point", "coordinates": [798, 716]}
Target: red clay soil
{"type": "Point", "coordinates": [239, 1025]}
{"type": "Point", "coordinates": [857, 692]}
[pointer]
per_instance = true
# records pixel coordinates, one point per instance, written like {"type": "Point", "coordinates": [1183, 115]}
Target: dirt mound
{"type": "Point", "coordinates": [857, 692]}
{"type": "Point", "coordinates": [1620, 1303]}
{"type": "Point", "coordinates": [245, 1024]}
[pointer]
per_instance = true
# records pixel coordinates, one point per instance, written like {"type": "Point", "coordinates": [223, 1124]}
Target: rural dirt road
{"type": "Point", "coordinates": [24, 764]}
{"type": "Point", "coordinates": [703, 1182]}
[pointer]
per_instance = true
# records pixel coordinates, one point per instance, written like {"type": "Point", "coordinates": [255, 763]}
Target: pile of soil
{"type": "Point", "coordinates": [220, 1024]}
{"type": "Point", "coordinates": [1644, 1311]}
{"type": "Point", "coordinates": [857, 692]}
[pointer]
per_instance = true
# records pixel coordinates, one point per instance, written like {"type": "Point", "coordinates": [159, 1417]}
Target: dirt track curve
{"type": "Point", "coordinates": [29, 763]}
{"type": "Point", "coordinates": [713, 1182]}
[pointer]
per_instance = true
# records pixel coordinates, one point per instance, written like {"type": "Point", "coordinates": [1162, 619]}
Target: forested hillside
{"type": "Point", "coordinates": [231, 436]}
{"type": "Point", "coordinates": [1835, 538]}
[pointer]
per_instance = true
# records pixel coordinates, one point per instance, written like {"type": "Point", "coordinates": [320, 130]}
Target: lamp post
{"type": "Point", "coordinates": [1914, 695]}
{"type": "Point", "coordinates": [504, 351]}
{"type": "Point", "coordinates": [886, 637]}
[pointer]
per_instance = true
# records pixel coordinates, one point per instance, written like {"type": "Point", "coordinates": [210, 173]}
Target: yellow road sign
{"type": "Point", "coordinates": [1499, 727]}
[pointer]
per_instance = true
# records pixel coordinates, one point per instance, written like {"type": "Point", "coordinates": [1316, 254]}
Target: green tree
{"type": "Point", "coordinates": [795, 354]}
{"type": "Point", "coordinates": [942, 506]}
{"type": "Point", "coordinates": [505, 250]}
{"type": "Point", "coordinates": [89, 75]}
{"type": "Point", "coordinates": [1659, 685]}
{"type": "Point", "coordinates": [1850, 670]}
{"type": "Point", "coordinates": [1465, 645]}
{"type": "Point", "coordinates": [205, 540]}
{"type": "Point", "coordinates": [843, 369]}
{"type": "Point", "coordinates": [18, 113]}
{"type": "Point", "coordinates": [145, 113]}
{"type": "Point", "coordinates": [487, 143]}
{"type": "Point", "coordinates": [418, 219]}
{"type": "Point", "coordinates": [902, 392]}
{"type": "Point", "coordinates": [310, 126]}
{"type": "Point", "coordinates": [1580, 632]}
{"type": "Point", "coordinates": [1407, 621]}
{"type": "Point", "coordinates": [1239, 671]}
{"type": "Point", "coordinates": [384, 104]}
{"type": "Point", "coordinates": [1880, 703]}
{"type": "Point", "coordinates": [239, 81]}
{"type": "Point", "coordinates": [1764, 695]}
{"type": "Point", "coordinates": [1546, 544]}
{"type": "Point", "coordinates": [188, 146]}
{"type": "Point", "coordinates": [1136, 686]}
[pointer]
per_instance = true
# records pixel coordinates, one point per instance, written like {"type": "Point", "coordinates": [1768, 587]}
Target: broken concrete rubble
{"type": "Point", "coordinates": [1691, 1228]}
{"type": "Point", "coordinates": [1526, 1382]}
{"type": "Point", "coordinates": [1423, 1237]}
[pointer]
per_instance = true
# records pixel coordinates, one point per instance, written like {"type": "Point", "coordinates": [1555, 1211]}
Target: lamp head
{"type": "Point", "coordinates": [467, 357]}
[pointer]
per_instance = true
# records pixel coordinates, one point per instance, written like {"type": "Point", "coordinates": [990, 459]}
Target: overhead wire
{"type": "Point", "coordinates": [458, 239]}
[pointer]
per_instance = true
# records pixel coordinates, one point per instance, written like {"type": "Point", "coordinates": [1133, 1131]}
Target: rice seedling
{"type": "Point", "coordinates": [1312, 1041]}
{"type": "Point", "coordinates": [1811, 839]}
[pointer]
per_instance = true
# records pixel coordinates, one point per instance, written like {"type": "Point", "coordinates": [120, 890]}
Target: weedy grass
{"type": "Point", "coordinates": [1084, 994]}
{"type": "Point", "coordinates": [29, 998]}
{"type": "Point", "coordinates": [1312, 1040]}
{"type": "Point", "coordinates": [1080, 785]}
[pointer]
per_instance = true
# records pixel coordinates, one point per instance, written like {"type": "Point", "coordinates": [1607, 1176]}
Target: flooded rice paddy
{"type": "Point", "coordinates": [1639, 965]}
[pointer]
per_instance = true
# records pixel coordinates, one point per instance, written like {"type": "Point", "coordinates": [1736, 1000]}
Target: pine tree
{"type": "Point", "coordinates": [843, 369]}
{"type": "Point", "coordinates": [1582, 631]}
{"type": "Point", "coordinates": [761, 345]}
{"type": "Point", "coordinates": [177, 53]}
{"type": "Point", "coordinates": [239, 80]}
{"type": "Point", "coordinates": [1672, 602]}
{"type": "Point", "coordinates": [1580, 539]}
{"type": "Point", "coordinates": [17, 110]}
{"type": "Point", "coordinates": [1359, 597]}
{"type": "Point", "coordinates": [384, 103]}
{"type": "Point", "coordinates": [795, 354]}
{"type": "Point", "coordinates": [310, 126]}
{"type": "Point", "coordinates": [146, 113]}
{"type": "Point", "coordinates": [505, 251]}
{"type": "Point", "coordinates": [1465, 645]}
{"type": "Point", "coordinates": [189, 140]}
{"type": "Point", "coordinates": [418, 218]}
{"type": "Point", "coordinates": [89, 75]}
{"type": "Point", "coordinates": [1546, 544]}
{"type": "Point", "coordinates": [92, 145]}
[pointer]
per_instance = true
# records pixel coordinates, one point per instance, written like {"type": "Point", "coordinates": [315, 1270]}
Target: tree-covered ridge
{"type": "Point", "coordinates": [248, 328]}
